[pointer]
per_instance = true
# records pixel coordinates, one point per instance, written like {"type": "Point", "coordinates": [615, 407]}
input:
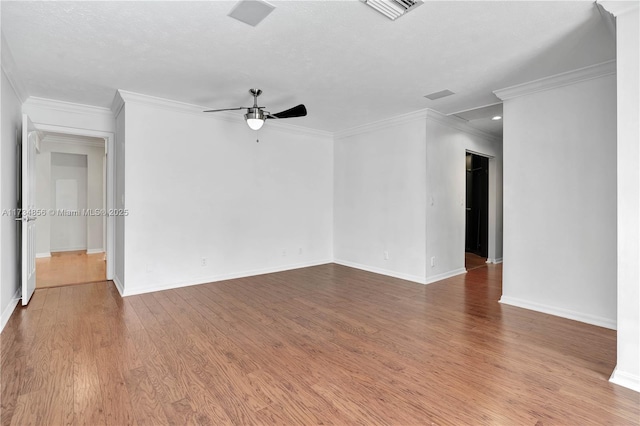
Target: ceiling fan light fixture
{"type": "Point", "coordinates": [255, 123]}
{"type": "Point", "coordinates": [256, 115]}
{"type": "Point", "coordinates": [255, 118]}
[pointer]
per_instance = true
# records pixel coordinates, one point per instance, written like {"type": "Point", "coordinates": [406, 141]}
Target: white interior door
{"type": "Point", "coordinates": [28, 201]}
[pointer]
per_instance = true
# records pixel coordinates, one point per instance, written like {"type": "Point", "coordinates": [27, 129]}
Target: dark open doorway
{"type": "Point", "coordinates": [477, 206]}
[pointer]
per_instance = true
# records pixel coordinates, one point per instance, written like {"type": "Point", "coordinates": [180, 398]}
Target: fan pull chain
{"type": "Point", "coordinates": [257, 136]}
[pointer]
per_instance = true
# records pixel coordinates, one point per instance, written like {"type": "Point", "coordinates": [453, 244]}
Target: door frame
{"type": "Point", "coordinates": [493, 206]}
{"type": "Point", "coordinates": [109, 139]}
{"type": "Point", "coordinates": [26, 200]}
{"type": "Point", "coordinates": [472, 191]}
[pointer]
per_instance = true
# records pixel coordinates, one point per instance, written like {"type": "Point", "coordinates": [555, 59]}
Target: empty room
{"type": "Point", "coordinates": [398, 212]}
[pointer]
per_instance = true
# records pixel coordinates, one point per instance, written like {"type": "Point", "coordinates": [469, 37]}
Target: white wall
{"type": "Point", "coordinates": [119, 180]}
{"type": "Point", "coordinates": [448, 141]}
{"type": "Point", "coordinates": [400, 189]}
{"type": "Point", "coordinates": [96, 199]}
{"type": "Point", "coordinates": [68, 233]}
{"type": "Point", "coordinates": [43, 201]}
{"type": "Point", "coordinates": [380, 190]}
{"type": "Point", "coordinates": [627, 372]}
{"type": "Point", "coordinates": [198, 187]}
{"type": "Point", "coordinates": [94, 240]}
{"type": "Point", "coordinates": [10, 127]}
{"type": "Point", "coordinates": [560, 199]}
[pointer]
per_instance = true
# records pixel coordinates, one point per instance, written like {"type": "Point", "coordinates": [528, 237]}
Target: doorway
{"type": "Point", "coordinates": [70, 187]}
{"type": "Point", "coordinates": [477, 210]}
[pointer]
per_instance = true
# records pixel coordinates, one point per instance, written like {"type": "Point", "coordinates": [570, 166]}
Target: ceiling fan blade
{"type": "Point", "coordinates": [224, 109]}
{"type": "Point", "coordinates": [296, 111]}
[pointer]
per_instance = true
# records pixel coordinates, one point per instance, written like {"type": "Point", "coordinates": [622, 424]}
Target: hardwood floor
{"type": "Point", "coordinates": [473, 261]}
{"type": "Point", "coordinates": [64, 268]}
{"type": "Point", "coordinates": [321, 345]}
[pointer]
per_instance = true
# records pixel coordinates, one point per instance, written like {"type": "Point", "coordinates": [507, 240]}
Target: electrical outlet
{"type": "Point", "coordinates": [203, 261]}
{"type": "Point", "coordinates": [386, 255]}
{"type": "Point", "coordinates": [284, 253]}
{"type": "Point", "coordinates": [433, 261]}
{"type": "Point", "coordinates": [300, 250]}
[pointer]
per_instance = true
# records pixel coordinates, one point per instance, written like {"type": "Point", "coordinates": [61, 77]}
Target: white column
{"type": "Point", "coordinates": [627, 372]}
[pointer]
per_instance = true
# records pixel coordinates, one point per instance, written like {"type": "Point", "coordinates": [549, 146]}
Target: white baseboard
{"type": "Point", "coordinates": [6, 314]}
{"type": "Point", "coordinates": [61, 250]}
{"type": "Point", "coordinates": [95, 251]}
{"type": "Point", "coordinates": [560, 312]}
{"type": "Point", "coordinates": [627, 380]}
{"type": "Point", "coordinates": [204, 280]}
{"type": "Point", "coordinates": [495, 261]}
{"type": "Point", "coordinates": [445, 275]}
{"type": "Point", "coordinates": [119, 285]}
{"type": "Point", "coordinates": [43, 255]}
{"type": "Point", "coordinates": [387, 272]}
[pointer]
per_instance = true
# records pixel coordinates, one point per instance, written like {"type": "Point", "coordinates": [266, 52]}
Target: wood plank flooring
{"type": "Point", "coordinates": [473, 261]}
{"type": "Point", "coordinates": [321, 345]}
{"type": "Point", "coordinates": [65, 268]}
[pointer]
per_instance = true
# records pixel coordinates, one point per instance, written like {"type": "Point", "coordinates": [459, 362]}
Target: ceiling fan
{"type": "Point", "coordinates": [256, 115]}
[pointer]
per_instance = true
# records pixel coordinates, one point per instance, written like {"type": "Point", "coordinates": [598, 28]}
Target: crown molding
{"type": "Point", "coordinates": [459, 124]}
{"type": "Point", "coordinates": [117, 104]}
{"type": "Point", "coordinates": [420, 115]}
{"type": "Point", "coordinates": [617, 8]}
{"type": "Point", "coordinates": [9, 68]}
{"type": "Point", "coordinates": [557, 80]}
{"type": "Point", "coordinates": [137, 98]}
{"type": "Point", "coordinates": [305, 131]}
{"type": "Point", "coordinates": [122, 97]}
{"type": "Point", "coordinates": [69, 107]}
{"type": "Point", "coordinates": [382, 124]}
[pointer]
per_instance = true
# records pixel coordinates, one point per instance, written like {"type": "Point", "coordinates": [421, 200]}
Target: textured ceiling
{"type": "Point", "coordinates": [347, 63]}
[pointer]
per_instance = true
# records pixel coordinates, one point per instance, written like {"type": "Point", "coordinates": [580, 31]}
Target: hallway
{"type": "Point", "coordinates": [65, 268]}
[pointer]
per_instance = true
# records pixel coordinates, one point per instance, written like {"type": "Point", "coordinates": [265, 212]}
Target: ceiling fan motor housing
{"type": "Point", "coordinates": [255, 113]}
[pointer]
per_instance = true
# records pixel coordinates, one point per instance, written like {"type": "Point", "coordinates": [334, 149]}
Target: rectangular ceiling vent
{"type": "Point", "coordinates": [251, 12]}
{"type": "Point", "coordinates": [393, 9]}
{"type": "Point", "coordinates": [441, 94]}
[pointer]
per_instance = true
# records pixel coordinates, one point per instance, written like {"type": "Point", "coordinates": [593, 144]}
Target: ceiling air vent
{"type": "Point", "coordinates": [251, 12]}
{"type": "Point", "coordinates": [441, 94]}
{"type": "Point", "coordinates": [393, 9]}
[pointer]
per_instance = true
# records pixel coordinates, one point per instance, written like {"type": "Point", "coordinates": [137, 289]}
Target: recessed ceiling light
{"type": "Point", "coordinates": [497, 117]}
